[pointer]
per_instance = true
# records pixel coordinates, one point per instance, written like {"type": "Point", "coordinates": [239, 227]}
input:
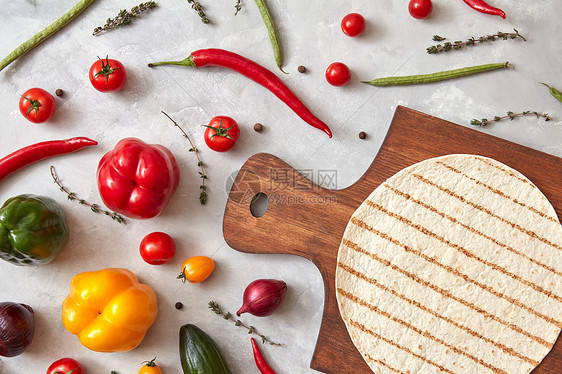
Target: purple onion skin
{"type": "Point", "coordinates": [262, 297]}
{"type": "Point", "coordinates": [17, 328]}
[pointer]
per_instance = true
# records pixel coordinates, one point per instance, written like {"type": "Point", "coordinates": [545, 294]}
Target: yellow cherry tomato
{"type": "Point", "coordinates": [109, 309]}
{"type": "Point", "coordinates": [150, 368]}
{"type": "Point", "coordinates": [196, 269]}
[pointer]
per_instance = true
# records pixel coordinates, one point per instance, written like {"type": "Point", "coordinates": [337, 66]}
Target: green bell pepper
{"type": "Point", "coordinates": [33, 230]}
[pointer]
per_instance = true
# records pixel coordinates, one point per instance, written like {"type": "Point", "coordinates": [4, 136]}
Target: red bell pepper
{"type": "Point", "coordinates": [137, 179]}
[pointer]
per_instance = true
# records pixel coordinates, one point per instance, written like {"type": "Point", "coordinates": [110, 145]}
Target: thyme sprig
{"type": "Point", "coordinates": [228, 316]}
{"type": "Point", "coordinates": [201, 164]}
{"type": "Point", "coordinates": [124, 17]}
{"type": "Point", "coordinates": [94, 207]}
{"type": "Point", "coordinates": [195, 5]}
{"type": "Point", "coordinates": [238, 6]}
{"type": "Point", "coordinates": [511, 116]}
{"type": "Point", "coordinates": [458, 45]}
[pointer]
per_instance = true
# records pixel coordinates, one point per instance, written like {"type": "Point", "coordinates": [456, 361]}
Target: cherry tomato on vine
{"type": "Point", "coordinates": [196, 269]}
{"type": "Point", "coordinates": [353, 24]}
{"type": "Point", "coordinates": [338, 74]}
{"type": "Point", "coordinates": [420, 8]}
{"type": "Point", "coordinates": [150, 368]}
{"type": "Point", "coordinates": [157, 248]}
{"type": "Point", "coordinates": [222, 133]}
{"type": "Point", "coordinates": [107, 75]}
{"type": "Point", "coordinates": [37, 105]}
{"type": "Point", "coordinates": [65, 366]}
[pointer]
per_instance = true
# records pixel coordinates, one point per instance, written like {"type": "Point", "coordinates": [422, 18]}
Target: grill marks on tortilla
{"type": "Point", "coordinates": [366, 330]}
{"type": "Point", "coordinates": [478, 256]}
{"type": "Point", "coordinates": [447, 294]}
{"type": "Point", "coordinates": [498, 192]}
{"type": "Point", "coordinates": [504, 170]}
{"type": "Point", "coordinates": [380, 362]}
{"type": "Point", "coordinates": [462, 250]}
{"type": "Point", "coordinates": [454, 271]}
{"type": "Point", "coordinates": [420, 306]}
{"type": "Point", "coordinates": [514, 225]}
{"type": "Point", "coordinates": [419, 331]}
{"type": "Point", "coordinates": [472, 229]}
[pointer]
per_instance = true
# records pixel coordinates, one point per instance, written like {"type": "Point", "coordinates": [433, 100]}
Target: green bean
{"type": "Point", "coordinates": [277, 53]}
{"type": "Point", "coordinates": [435, 77]}
{"type": "Point", "coordinates": [45, 33]}
{"type": "Point", "coordinates": [554, 92]}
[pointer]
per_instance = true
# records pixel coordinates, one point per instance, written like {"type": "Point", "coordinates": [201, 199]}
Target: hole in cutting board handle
{"type": "Point", "coordinates": [259, 204]}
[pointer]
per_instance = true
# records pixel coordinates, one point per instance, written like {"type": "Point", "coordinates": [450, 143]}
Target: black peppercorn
{"type": "Point", "coordinates": [362, 135]}
{"type": "Point", "coordinates": [258, 127]}
{"type": "Point", "coordinates": [301, 69]}
{"type": "Point", "coordinates": [179, 305]}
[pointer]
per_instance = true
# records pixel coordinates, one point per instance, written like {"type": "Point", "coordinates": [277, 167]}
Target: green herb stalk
{"type": "Point", "coordinates": [124, 17]}
{"type": "Point", "coordinates": [238, 7]}
{"type": "Point", "coordinates": [200, 164]}
{"type": "Point", "coordinates": [471, 42]}
{"type": "Point", "coordinates": [93, 207]}
{"type": "Point", "coordinates": [214, 306]}
{"type": "Point", "coordinates": [484, 121]}
{"type": "Point", "coordinates": [45, 33]}
{"type": "Point", "coordinates": [195, 5]}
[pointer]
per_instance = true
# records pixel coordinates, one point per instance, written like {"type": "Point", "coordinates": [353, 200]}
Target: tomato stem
{"type": "Point", "coordinates": [220, 131]}
{"type": "Point", "coordinates": [35, 104]}
{"type": "Point", "coordinates": [105, 69]}
{"type": "Point", "coordinates": [151, 363]}
{"type": "Point", "coordinates": [183, 277]}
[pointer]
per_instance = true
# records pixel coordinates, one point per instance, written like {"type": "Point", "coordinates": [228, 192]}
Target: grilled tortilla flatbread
{"type": "Point", "coordinates": [452, 265]}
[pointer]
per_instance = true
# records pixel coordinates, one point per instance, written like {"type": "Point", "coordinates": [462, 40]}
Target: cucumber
{"type": "Point", "coordinates": [199, 354]}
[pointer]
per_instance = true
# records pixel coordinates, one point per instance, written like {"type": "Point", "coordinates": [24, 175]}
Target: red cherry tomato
{"type": "Point", "coordinates": [65, 366]}
{"type": "Point", "coordinates": [37, 105]}
{"type": "Point", "coordinates": [420, 8]}
{"type": "Point", "coordinates": [338, 74]}
{"type": "Point", "coordinates": [108, 75]}
{"type": "Point", "coordinates": [157, 248]}
{"type": "Point", "coordinates": [222, 133]}
{"type": "Point", "coordinates": [353, 24]}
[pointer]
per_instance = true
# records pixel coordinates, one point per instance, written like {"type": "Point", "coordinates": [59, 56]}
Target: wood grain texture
{"type": "Point", "coordinates": [309, 221]}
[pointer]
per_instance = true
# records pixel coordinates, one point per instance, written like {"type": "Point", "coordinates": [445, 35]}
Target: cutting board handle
{"type": "Point", "coordinates": [297, 206]}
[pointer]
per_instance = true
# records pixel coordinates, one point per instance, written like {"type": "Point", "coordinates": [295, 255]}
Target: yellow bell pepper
{"type": "Point", "coordinates": [109, 309]}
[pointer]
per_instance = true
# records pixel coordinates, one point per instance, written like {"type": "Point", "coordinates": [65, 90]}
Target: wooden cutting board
{"type": "Point", "coordinates": [309, 221]}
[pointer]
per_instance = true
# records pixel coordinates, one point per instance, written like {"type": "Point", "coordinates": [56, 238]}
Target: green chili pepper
{"type": "Point", "coordinates": [277, 53]}
{"type": "Point", "coordinates": [554, 92]}
{"type": "Point", "coordinates": [33, 230]}
{"type": "Point", "coordinates": [435, 77]}
{"type": "Point", "coordinates": [45, 33]}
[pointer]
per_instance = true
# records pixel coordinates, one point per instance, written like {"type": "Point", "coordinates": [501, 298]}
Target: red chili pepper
{"type": "Point", "coordinates": [254, 71]}
{"type": "Point", "coordinates": [40, 151]}
{"type": "Point", "coordinates": [260, 361]}
{"type": "Point", "coordinates": [483, 7]}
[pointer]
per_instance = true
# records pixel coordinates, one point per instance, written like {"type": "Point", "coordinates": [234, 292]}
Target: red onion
{"type": "Point", "coordinates": [17, 328]}
{"type": "Point", "coordinates": [262, 297]}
